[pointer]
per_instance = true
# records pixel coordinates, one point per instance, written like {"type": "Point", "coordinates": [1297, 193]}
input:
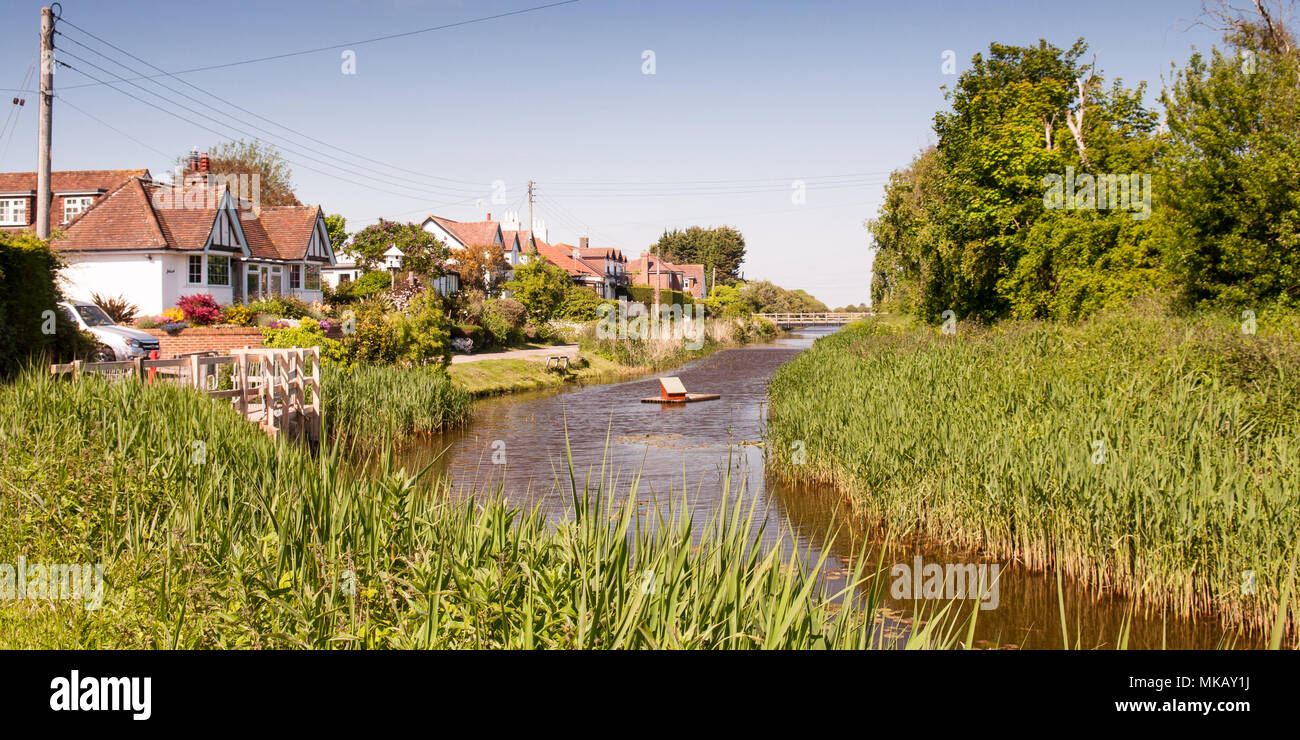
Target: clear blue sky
{"type": "Point", "coordinates": [746, 98]}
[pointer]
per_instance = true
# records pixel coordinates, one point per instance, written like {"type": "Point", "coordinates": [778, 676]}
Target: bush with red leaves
{"type": "Point", "coordinates": [200, 310]}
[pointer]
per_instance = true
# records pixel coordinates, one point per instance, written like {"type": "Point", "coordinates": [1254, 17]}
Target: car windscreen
{"type": "Point", "coordinates": [94, 315]}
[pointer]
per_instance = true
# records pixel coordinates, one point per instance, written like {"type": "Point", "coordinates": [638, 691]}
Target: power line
{"type": "Point", "coordinates": [356, 43]}
{"type": "Point", "coordinates": [442, 189]}
{"type": "Point", "coordinates": [212, 130]}
{"type": "Point", "coordinates": [110, 126]}
{"type": "Point", "coordinates": [245, 110]}
{"type": "Point", "coordinates": [15, 112]}
{"type": "Point", "coordinates": [678, 183]}
{"type": "Point", "coordinates": [716, 193]}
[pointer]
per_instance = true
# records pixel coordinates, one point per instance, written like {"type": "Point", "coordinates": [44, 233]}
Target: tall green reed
{"type": "Point", "coordinates": [1155, 456]}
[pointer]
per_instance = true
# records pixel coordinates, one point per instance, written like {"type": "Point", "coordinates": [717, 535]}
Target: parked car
{"type": "Point", "coordinates": [116, 342]}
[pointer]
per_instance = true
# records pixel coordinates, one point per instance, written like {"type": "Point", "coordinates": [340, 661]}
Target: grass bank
{"type": "Point", "coordinates": [257, 544]}
{"type": "Point", "coordinates": [606, 359]}
{"type": "Point", "coordinates": [1144, 453]}
{"type": "Point", "coordinates": [495, 377]}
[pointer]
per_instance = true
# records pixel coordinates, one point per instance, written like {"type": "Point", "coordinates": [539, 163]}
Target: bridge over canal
{"type": "Point", "coordinates": [797, 320]}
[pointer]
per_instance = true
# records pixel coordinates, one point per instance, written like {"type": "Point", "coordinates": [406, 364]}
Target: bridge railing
{"type": "Point", "coordinates": [828, 317]}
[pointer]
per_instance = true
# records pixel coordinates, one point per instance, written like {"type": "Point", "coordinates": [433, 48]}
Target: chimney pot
{"type": "Point", "coordinates": [489, 217]}
{"type": "Point", "coordinates": [582, 242]}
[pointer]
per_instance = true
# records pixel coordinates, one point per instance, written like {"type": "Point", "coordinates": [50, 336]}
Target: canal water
{"type": "Point", "coordinates": [690, 454]}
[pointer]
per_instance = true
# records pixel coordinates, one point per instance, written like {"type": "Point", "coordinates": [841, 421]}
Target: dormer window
{"type": "Point", "coordinates": [72, 207]}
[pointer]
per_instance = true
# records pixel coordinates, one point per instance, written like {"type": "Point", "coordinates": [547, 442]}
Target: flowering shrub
{"type": "Point", "coordinates": [200, 310]}
{"type": "Point", "coordinates": [308, 333]}
{"type": "Point", "coordinates": [239, 315]}
{"type": "Point", "coordinates": [422, 253]}
{"type": "Point", "coordinates": [174, 314]}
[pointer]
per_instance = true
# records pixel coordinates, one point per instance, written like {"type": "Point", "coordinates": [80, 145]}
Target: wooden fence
{"type": "Point", "coordinates": [277, 389]}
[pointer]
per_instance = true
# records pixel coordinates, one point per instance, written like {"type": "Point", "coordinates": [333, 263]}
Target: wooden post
{"type": "Point", "coordinates": [194, 372]}
{"type": "Point", "coordinates": [242, 360]}
{"type": "Point", "coordinates": [139, 368]}
{"type": "Point", "coordinates": [45, 126]}
{"type": "Point", "coordinates": [76, 369]}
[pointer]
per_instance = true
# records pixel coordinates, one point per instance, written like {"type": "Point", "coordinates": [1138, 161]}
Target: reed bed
{"type": "Point", "coordinates": [259, 544]}
{"type": "Point", "coordinates": [371, 404]}
{"type": "Point", "coordinates": [1142, 453]}
{"type": "Point", "coordinates": [667, 345]}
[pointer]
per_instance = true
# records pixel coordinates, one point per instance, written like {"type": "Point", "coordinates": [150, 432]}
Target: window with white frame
{"type": "Point", "coordinates": [312, 280]}
{"type": "Point", "coordinates": [196, 269]}
{"type": "Point", "coordinates": [218, 269]}
{"type": "Point", "coordinates": [13, 211]}
{"type": "Point", "coordinates": [72, 207]}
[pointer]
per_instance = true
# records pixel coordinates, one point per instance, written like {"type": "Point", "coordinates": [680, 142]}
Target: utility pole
{"type": "Point", "coordinates": [658, 273]}
{"type": "Point", "coordinates": [530, 216]}
{"type": "Point", "coordinates": [44, 125]}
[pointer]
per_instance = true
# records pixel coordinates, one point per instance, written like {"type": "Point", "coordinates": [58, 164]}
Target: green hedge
{"type": "Point", "coordinates": [646, 294]}
{"type": "Point", "coordinates": [28, 269]}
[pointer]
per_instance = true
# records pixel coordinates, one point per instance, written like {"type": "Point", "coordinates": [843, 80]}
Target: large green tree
{"type": "Point", "coordinates": [1233, 163]}
{"type": "Point", "coordinates": [969, 225]}
{"type": "Point", "coordinates": [722, 247]}
{"type": "Point", "coordinates": [541, 287]}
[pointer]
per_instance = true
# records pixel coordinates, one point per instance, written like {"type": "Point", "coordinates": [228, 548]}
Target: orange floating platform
{"type": "Point", "coordinates": [671, 390]}
{"type": "Point", "coordinates": [688, 398]}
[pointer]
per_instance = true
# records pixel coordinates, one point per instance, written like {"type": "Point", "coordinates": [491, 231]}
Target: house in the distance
{"type": "Point", "coordinates": [602, 270]}
{"type": "Point", "coordinates": [649, 269]}
{"type": "Point", "coordinates": [71, 191]}
{"type": "Point", "coordinates": [153, 243]}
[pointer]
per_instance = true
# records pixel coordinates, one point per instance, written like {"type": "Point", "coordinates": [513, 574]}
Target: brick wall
{"type": "Point", "coordinates": [220, 339]}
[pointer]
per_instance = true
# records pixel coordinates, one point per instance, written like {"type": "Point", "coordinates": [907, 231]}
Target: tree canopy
{"type": "Point", "coordinates": [1052, 193]}
{"type": "Point", "coordinates": [234, 158]}
{"type": "Point", "coordinates": [722, 247]}
{"type": "Point", "coordinates": [422, 253]}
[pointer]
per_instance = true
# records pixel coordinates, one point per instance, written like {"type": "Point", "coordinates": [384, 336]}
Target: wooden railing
{"type": "Point", "coordinates": [277, 389]}
{"type": "Point", "coordinates": [829, 318]}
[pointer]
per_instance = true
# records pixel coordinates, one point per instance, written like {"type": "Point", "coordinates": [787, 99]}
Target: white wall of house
{"type": "Point", "coordinates": [332, 276]}
{"type": "Point", "coordinates": [442, 234]}
{"type": "Point", "coordinates": [135, 277]}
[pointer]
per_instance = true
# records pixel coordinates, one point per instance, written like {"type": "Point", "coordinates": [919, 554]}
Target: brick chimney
{"type": "Point", "coordinates": [199, 173]}
{"type": "Point", "coordinates": [489, 217]}
{"type": "Point", "coordinates": [582, 242]}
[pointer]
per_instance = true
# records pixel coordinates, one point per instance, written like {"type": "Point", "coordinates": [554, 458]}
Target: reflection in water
{"type": "Point", "coordinates": [693, 453]}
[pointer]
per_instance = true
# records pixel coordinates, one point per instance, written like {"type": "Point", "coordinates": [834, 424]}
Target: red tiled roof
{"type": "Point", "coordinates": [562, 255]}
{"type": "Point", "coordinates": [69, 181]}
{"type": "Point", "coordinates": [507, 236]}
{"type": "Point", "coordinates": [289, 228]}
{"type": "Point", "coordinates": [123, 219]}
{"type": "Point", "coordinates": [643, 267]}
{"type": "Point", "coordinates": [138, 216]}
{"type": "Point", "coordinates": [471, 234]}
